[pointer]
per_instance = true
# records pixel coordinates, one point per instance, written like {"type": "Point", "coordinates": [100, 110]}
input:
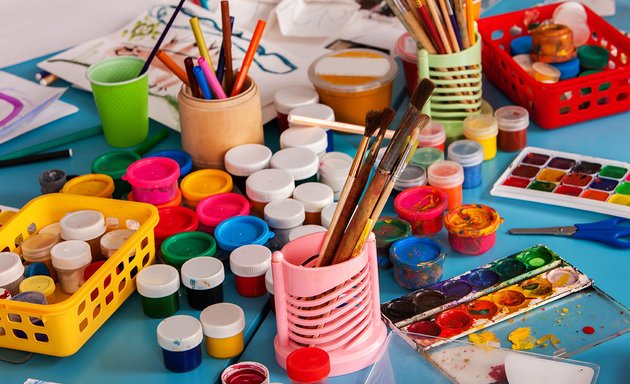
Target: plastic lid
{"type": "Point", "coordinates": [568, 69]}
{"type": "Point", "coordinates": [38, 246]}
{"type": "Point", "coordinates": [115, 163]}
{"type": "Point", "coordinates": [222, 320]}
{"type": "Point", "coordinates": [92, 268]}
{"type": "Point", "coordinates": [304, 230]}
{"type": "Point", "coordinates": [335, 165]}
{"type": "Point", "coordinates": [82, 225]}
{"type": "Point", "coordinates": [152, 172]}
{"type": "Point", "coordinates": [183, 246]}
{"type": "Point", "coordinates": [432, 135]}
{"type": "Point", "coordinates": [317, 111]}
{"type": "Point", "coordinates": [216, 208]}
{"type": "Point", "coordinates": [512, 118]}
{"type": "Point", "coordinates": [466, 152]}
{"type": "Point", "coordinates": [414, 250]}
{"type": "Point", "coordinates": [284, 214]}
{"type": "Point", "coordinates": [480, 127]}
{"type": "Point", "coordinates": [179, 333]}
{"type": "Point", "coordinates": [97, 185]}
{"type": "Point", "coordinates": [389, 229]}
{"type": "Point", "coordinates": [30, 297]}
{"type": "Point", "coordinates": [445, 174]}
{"type": "Point", "coordinates": [43, 284]}
{"type": "Point", "coordinates": [52, 180]}
{"type": "Point", "coordinates": [269, 281]}
{"type": "Point", "coordinates": [241, 230]}
{"type": "Point", "coordinates": [573, 15]}
{"type": "Point", "coordinates": [269, 184]}
{"type": "Point", "coordinates": [288, 98]}
{"type": "Point", "coordinates": [202, 273]}
{"type": "Point", "coordinates": [183, 159]}
{"type": "Point", "coordinates": [71, 254]}
{"type": "Point", "coordinates": [11, 268]}
{"type": "Point", "coordinates": [327, 214]}
{"type": "Point", "coordinates": [411, 176]}
{"type": "Point", "coordinates": [36, 269]}
{"type": "Point", "coordinates": [573, 8]}
{"type": "Point", "coordinates": [421, 203]}
{"type": "Point", "coordinates": [156, 281]}
{"type": "Point", "coordinates": [205, 182]}
{"type": "Point", "coordinates": [54, 228]}
{"type": "Point", "coordinates": [314, 196]}
{"type": "Point", "coordinates": [301, 163]}
{"type": "Point", "coordinates": [175, 220]}
{"type": "Point", "coordinates": [250, 260]}
{"type": "Point", "coordinates": [593, 56]}
{"type": "Point", "coordinates": [524, 61]}
{"type": "Point", "coordinates": [521, 45]}
{"type": "Point", "coordinates": [116, 239]}
{"type": "Point", "coordinates": [311, 138]}
{"type": "Point", "coordinates": [308, 364]}
{"type": "Point", "coordinates": [426, 155]}
{"type": "Point", "coordinates": [407, 48]}
{"type": "Point", "coordinates": [547, 71]}
{"type": "Point", "coordinates": [245, 159]}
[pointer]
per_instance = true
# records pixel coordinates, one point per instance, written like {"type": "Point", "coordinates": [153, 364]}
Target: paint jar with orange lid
{"type": "Point", "coordinates": [268, 185]}
{"type": "Point", "coordinates": [354, 81]}
{"type": "Point", "coordinates": [200, 184]}
{"type": "Point", "coordinates": [471, 228]}
{"type": "Point", "coordinates": [314, 197]}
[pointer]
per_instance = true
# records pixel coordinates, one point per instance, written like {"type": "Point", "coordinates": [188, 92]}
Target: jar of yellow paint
{"type": "Point", "coordinates": [354, 81]}
{"type": "Point", "coordinates": [223, 325]}
{"type": "Point", "coordinates": [484, 130]}
{"type": "Point", "coordinates": [96, 184]}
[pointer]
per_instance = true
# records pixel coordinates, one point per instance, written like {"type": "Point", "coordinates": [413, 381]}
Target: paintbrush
{"type": "Point", "coordinates": [147, 63]}
{"type": "Point", "coordinates": [423, 15]}
{"type": "Point", "coordinates": [449, 26]}
{"type": "Point", "coordinates": [451, 16]}
{"type": "Point", "coordinates": [439, 25]}
{"type": "Point", "coordinates": [461, 21]}
{"type": "Point", "coordinates": [334, 125]}
{"type": "Point", "coordinates": [470, 22]}
{"type": "Point", "coordinates": [412, 24]}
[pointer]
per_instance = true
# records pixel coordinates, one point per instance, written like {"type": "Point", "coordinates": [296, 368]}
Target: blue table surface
{"type": "Point", "coordinates": [125, 350]}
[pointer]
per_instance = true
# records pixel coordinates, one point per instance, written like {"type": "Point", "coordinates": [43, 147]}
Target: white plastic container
{"type": "Point", "coordinates": [249, 263]}
{"type": "Point", "coordinates": [311, 138]}
{"type": "Point", "coordinates": [333, 171]}
{"type": "Point", "coordinates": [244, 160]}
{"type": "Point", "coordinates": [327, 214]}
{"type": "Point", "coordinates": [314, 197]}
{"type": "Point", "coordinates": [282, 216]}
{"type": "Point", "coordinates": [11, 272]}
{"type": "Point", "coordinates": [69, 258]}
{"type": "Point", "coordinates": [86, 225]}
{"type": "Point", "coordinates": [268, 185]}
{"type": "Point", "coordinates": [113, 240]}
{"type": "Point", "coordinates": [301, 163]}
{"type": "Point", "coordinates": [317, 111]}
{"type": "Point", "coordinates": [292, 97]}
{"type": "Point", "coordinates": [411, 176]}
{"type": "Point", "coordinates": [304, 230]}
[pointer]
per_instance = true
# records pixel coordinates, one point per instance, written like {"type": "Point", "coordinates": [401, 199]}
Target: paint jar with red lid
{"type": "Point", "coordinates": [249, 264]}
{"type": "Point", "coordinates": [180, 339]}
{"type": "Point", "coordinates": [174, 220]}
{"type": "Point", "coordinates": [472, 228]}
{"type": "Point", "coordinates": [214, 209]}
{"type": "Point", "coordinates": [434, 136]}
{"type": "Point", "coordinates": [423, 208]}
{"type": "Point", "coordinates": [245, 372]}
{"type": "Point", "coordinates": [308, 365]}
{"type": "Point", "coordinates": [513, 122]}
{"type": "Point", "coordinates": [203, 278]}
{"type": "Point", "coordinates": [292, 97]}
{"type": "Point", "coordinates": [153, 179]}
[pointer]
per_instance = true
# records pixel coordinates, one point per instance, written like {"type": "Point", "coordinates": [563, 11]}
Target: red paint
{"type": "Point", "coordinates": [283, 122]}
{"type": "Point", "coordinates": [246, 376]}
{"type": "Point", "coordinates": [568, 190]}
{"type": "Point", "coordinates": [453, 322]}
{"type": "Point", "coordinates": [250, 286]}
{"type": "Point", "coordinates": [516, 182]}
{"type": "Point", "coordinates": [526, 171]}
{"type": "Point", "coordinates": [498, 373]}
{"type": "Point", "coordinates": [595, 195]}
{"type": "Point", "coordinates": [577, 179]}
{"type": "Point", "coordinates": [482, 309]}
{"type": "Point", "coordinates": [423, 208]}
{"type": "Point", "coordinates": [511, 141]}
{"type": "Point", "coordinates": [425, 327]}
{"type": "Point", "coordinates": [588, 330]}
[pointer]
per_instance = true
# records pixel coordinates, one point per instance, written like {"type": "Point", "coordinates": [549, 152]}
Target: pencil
{"type": "Point", "coordinates": [470, 22]}
{"type": "Point", "coordinates": [449, 26]}
{"type": "Point", "coordinates": [201, 41]}
{"type": "Point", "coordinates": [172, 66]}
{"type": "Point", "coordinates": [249, 58]}
{"type": "Point", "coordinates": [203, 83]}
{"type": "Point", "coordinates": [428, 25]}
{"type": "Point", "coordinates": [227, 45]}
{"type": "Point", "coordinates": [36, 158]}
{"type": "Point", "coordinates": [47, 80]}
{"type": "Point", "coordinates": [192, 80]}
{"type": "Point", "coordinates": [147, 63]}
{"type": "Point", "coordinates": [211, 78]}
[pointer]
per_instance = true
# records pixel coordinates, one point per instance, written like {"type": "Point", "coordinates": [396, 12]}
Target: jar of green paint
{"type": "Point", "coordinates": [158, 285]}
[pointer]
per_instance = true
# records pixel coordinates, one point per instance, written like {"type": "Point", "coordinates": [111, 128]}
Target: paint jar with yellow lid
{"type": "Point", "coordinates": [198, 185]}
{"type": "Point", "coordinates": [354, 81]}
{"type": "Point", "coordinates": [484, 130]}
{"type": "Point", "coordinates": [40, 283]}
{"type": "Point", "coordinates": [97, 185]}
{"type": "Point", "coordinates": [223, 325]}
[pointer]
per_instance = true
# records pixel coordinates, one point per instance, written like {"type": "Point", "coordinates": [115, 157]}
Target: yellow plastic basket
{"type": "Point", "coordinates": [62, 328]}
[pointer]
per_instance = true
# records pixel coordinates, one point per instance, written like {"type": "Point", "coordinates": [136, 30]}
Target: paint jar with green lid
{"type": "Point", "coordinates": [179, 248]}
{"type": "Point", "coordinates": [426, 156]}
{"type": "Point", "coordinates": [388, 230]}
{"type": "Point", "coordinates": [114, 164]}
{"type": "Point", "coordinates": [158, 285]}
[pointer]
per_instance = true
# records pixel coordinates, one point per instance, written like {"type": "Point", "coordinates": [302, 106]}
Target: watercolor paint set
{"type": "Point", "coordinates": [567, 180]}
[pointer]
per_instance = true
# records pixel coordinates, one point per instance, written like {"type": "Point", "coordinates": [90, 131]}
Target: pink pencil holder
{"type": "Point", "coordinates": [153, 179]}
{"type": "Point", "coordinates": [335, 308]}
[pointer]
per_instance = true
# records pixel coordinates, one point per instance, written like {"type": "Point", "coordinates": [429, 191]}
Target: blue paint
{"type": "Point", "coordinates": [331, 142]}
{"type": "Point", "coordinates": [183, 361]}
{"type": "Point", "coordinates": [483, 278]}
{"type": "Point", "coordinates": [472, 176]}
{"type": "Point", "coordinates": [520, 45]}
{"type": "Point", "coordinates": [469, 154]}
{"type": "Point", "coordinates": [182, 158]}
{"type": "Point", "coordinates": [415, 250]}
{"type": "Point", "coordinates": [603, 184]}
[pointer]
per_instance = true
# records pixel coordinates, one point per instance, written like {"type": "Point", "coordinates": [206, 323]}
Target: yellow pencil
{"type": "Point", "coordinates": [201, 42]}
{"type": "Point", "coordinates": [470, 21]}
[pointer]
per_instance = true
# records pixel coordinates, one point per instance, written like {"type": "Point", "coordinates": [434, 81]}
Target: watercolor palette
{"type": "Point", "coordinates": [567, 180]}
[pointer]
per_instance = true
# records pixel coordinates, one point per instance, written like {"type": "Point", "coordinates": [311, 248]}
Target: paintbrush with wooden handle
{"type": "Point", "coordinates": [334, 125]}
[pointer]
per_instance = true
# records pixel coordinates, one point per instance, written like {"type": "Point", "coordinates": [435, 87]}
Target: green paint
{"type": "Point", "coordinates": [623, 188]}
{"type": "Point", "coordinates": [426, 156]}
{"type": "Point", "coordinates": [179, 248]}
{"type": "Point", "coordinates": [389, 229]}
{"type": "Point", "coordinates": [160, 307]}
{"type": "Point", "coordinates": [509, 268]}
{"type": "Point", "coordinates": [542, 186]}
{"type": "Point", "coordinates": [535, 257]}
{"type": "Point", "coordinates": [613, 172]}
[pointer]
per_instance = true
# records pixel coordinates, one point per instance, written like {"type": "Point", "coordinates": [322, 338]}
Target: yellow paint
{"type": "Point", "coordinates": [97, 185]}
{"type": "Point", "coordinates": [551, 175]}
{"type": "Point", "coordinates": [483, 129]}
{"type": "Point", "coordinates": [551, 338]}
{"type": "Point", "coordinates": [472, 220]}
{"type": "Point", "coordinates": [620, 199]}
{"type": "Point", "coordinates": [483, 338]}
{"type": "Point", "coordinates": [226, 347]}
{"type": "Point", "coordinates": [522, 339]}
{"type": "Point", "coordinates": [565, 310]}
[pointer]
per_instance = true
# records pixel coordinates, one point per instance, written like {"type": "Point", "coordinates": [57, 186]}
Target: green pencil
{"type": "Point", "coordinates": [45, 146]}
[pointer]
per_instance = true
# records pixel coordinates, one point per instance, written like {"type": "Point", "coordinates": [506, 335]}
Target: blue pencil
{"type": "Point", "coordinates": [221, 64]}
{"type": "Point", "coordinates": [203, 83]}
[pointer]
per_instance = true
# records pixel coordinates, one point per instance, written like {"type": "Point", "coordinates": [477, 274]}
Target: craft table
{"type": "Point", "coordinates": [125, 348]}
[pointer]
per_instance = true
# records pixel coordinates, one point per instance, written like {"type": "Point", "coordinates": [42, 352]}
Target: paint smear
{"type": "Point", "coordinates": [553, 339]}
{"type": "Point", "coordinates": [483, 338]}
{"type": "Point", "coordinates": [472, 220]}
{"type": "Point", "coordinates": [522, 339]}
{"type": "Point", "coordinates": [498, 373]}
{"type": "Point", "coordinates": [588, 330]}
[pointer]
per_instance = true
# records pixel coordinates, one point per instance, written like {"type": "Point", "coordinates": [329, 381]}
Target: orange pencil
{"type": "Point", "coordinates": [249, 57]}
{"type": "Point", "coordinates": [170, 64]}
{"type": "Point", "coordinates": [470, 22]}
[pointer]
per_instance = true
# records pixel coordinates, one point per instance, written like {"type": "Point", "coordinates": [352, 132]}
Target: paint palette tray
{"type": "Point", "coordinates": [567, 180]}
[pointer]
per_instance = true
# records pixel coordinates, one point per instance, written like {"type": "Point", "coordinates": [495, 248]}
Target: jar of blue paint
{"type": "Point", "coordinates": [469, 154]}
{"type": "Point", "coordinates": [417, 262]}
{"type": "Point", "coordinates": [183, 159]}
{"type": "Point", "coordinates": [238, 231]}
{"type": "Point", "coordinates": [180, 338]}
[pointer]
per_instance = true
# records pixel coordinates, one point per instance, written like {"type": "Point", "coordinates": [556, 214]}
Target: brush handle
{"type": "Point", "coordinates": [412, 24]}
{"type": "Point", "coordinates": [327, 253]}
{"type": "Point", "coordinates": [335, 126]}
{"type": "Point", "coordinates": [440, 27]}
{"type": "Point", "coordinates": [449, 26]}
{"type": "Point", "coordinates": [227, 44]}
{"type": "Point", "coordinates": [50, 144]}
{"type": "Point", "coordinates": [147, 63]}
{"type": "Point", "coordinates": [461, 21]}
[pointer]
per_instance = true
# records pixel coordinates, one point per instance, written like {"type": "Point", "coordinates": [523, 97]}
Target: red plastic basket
{"type": "Point", "coordinates": [568, 101]}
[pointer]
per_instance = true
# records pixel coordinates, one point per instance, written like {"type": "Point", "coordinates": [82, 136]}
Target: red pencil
{"type": "Point", "coordinates": [249, 57]}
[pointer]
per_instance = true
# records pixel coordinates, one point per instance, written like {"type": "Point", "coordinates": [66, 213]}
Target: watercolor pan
{"type": "Point", "coordinates": [567, 180]}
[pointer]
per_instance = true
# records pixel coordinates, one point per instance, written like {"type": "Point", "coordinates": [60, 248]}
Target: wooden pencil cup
{"type": "Point", "coordinates": [211, 127]}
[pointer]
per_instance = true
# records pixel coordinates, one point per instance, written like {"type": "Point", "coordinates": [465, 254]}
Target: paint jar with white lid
{"type": "Point", "coordinates": [411, 176]}
{"type": "Point", "coordinates": [223, 326]}
{"type": "Point", "coordinates": [54, 228]}
{"type": "Point", "coordinates": [180, 338]}
{"type": "Point", "coordinates": [70, 258]}
{"type": "Point", "coordinates": [434, 135]}
{"type": "Point", "coordinates": [115, 239]}
{"type": "Point", "coordinates": [243, 160]}
{"type": "Point", "coordinates": [314, 197]}
{"type": "Point", "coordinates": [85, 225]}
{"type": "Point", "coordinates": [288, 98]}
{"type": "Point", "coordinates": [333, 171]}
{"type": "Point", "coordinates": [305, 230]}
{"type": "Point", "coordinates": [36, 249]}
{"type": "Point", "coordinates": [301, 163]}
{"type": "Point", "coordinates": [282, 216]}
{"type": "Point", "coordinates": [268, 185]}
{"type": "Point", "coordinates": [317, 111]}
{"type": "Point", "coordinates": [203, 278]}
{"type": "Point", "coordinates": [11, 272]}
{"type": "Point", "coordinates": [311, 138]}
{"type": "Point", "coordinates": [484, 130]}
{"type": "Point", "coordinates": [249, 264]}
{"type": "Point", "coordinates": [158, 286]}
{"type": "Point", "coordinates": [327, 214]}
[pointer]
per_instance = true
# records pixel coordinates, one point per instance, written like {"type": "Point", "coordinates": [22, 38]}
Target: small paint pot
{"type": "Point", "coordinates": [286, 99]}
{"type": "Point", "coordinates": [422, 207]}
{"type": "Point", "coordinates": [524, 61]}
{"type": "Point", "coordinates": [114, 164]}
{"type": "Point", "coordinates": [412, 176]}
{"type": "Point", "coordinates": [407, 51]}
{"type": "Point", "coordinates": [176, 202]}
{"type": "Point", "coordinates": [158, 286]}
{"type": "Point", "coordinates": [283, 216]}
{"type": "Point", "coordinates": [481, 309]}
{"type": "Point", "coordinates": [593, 57]}
{"type": "Point", "coordinates": [245, 372]}
{"type": "Point", "coordinates": [203, 278]}
{"type": "Point", "coordinates": [180, 338]}
{"type": "Point", "coordinates": [314, 197]}
{"type": "Point", "coordinates": [453, 322]}
{"type": "Point", "coordinates": [223, 326]}
{"type": "Point", "coordinates": [552, 43]}
{"type": "Point", "coordinates": [85, 225]}
{"type": "Point", "coordinates": [244, 160]}
{"type": "Point", "coordinates": [327, 214]}
{"type": "Point", "coordinates": [388, 230]}
{"type": "Point", "coordinates": [472, 228]}
{"type": "Point", "coordinates": [308, 365]}
{"type": "Point", "coordinates": [174, 220]}
{"type": "Point", "coordinates": [238, 231]}
{"type": "Point", "coordinates": [434, 135]}
{"type": "Point", "coordinates": [317, 111]}
{"type": "Point", "coordinates": [304, 230]}
{"type": "Point", "coordinates": [510, 299]}
{"type": "Point", "coordinates": [424, 157]}
{"type": "Point", "coordinates": [333, 171]}
{"type": "Point", "coordinates": [425, 327]}
{"type": "Point", "coordinates": [249, 263]}
{"type": "Point", "coordinates": [91, 270]}
{"type": "Point", "coordinates": [153, 180]}
{"type": "Point", "coordinates": [269, 287]}
{"type": "Point", "coordinates": [455, 289]}
{"type": "Point", "coordinates": [399, 309]}
{"type": "Point", "coordinates": [469, 154]}
{"type": "Point", "coordinates": [111, 241]}
{"type": "Point", "coordinates": [198, 185]}
{"type": "Point", "coordinates": [535, 257]}
{"type": "Point", "coordinates": [30, 297]}
{"type": "Point", "coordinates": [69, 258]}
{"type": "Point", "coordinates": [568, 69]}
{"type": "Point", "coordinates": [311, 138]}
{"type": "Point", "coordinates": [268, 185]}
{"type": "Point", "coordinates": [36, 249]}
{"type": "Point", "coordinates": [512, 121]}
{"type": "Point", "coordinates": [537, 286]}
{"type": "Point", "coordinates": [96, 185]}
{"type": "Point", "coordinates": [183, 159]}
{"type": "Point", "coordinates": [545, 73]}
{"type": "Point", "coordinates": [301, 163]}
{"type": "Point", "coordinates": [52, 181]}
{"type": "Point", "coordinates": [427, 299]}
{"type": "Point", "coordinates": [181, 247]}
{"type": "Point", "coordinates": [417, 262]}
{"type": "Point", "coordinates": [483, 129]}
{"type": "Point", "coordinates": [449, 177]}
{"type": "Point", "coordinates": [562, 277]}
{"type": "Point", "coordinates": [508, 268]}
{"type": "Point", "coordinates": [212, 210]}
{"type": "Point", "coordinates": [483, 278]}
{"type": "Point", "coordinates": [43, 284]}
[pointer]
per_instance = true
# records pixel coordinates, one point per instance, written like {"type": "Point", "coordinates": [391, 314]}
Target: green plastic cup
{"type": "Point", "coordinates": [122, 99]}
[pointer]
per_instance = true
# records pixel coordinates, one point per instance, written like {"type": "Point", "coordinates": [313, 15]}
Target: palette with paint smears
{"type": "Point", "coordinates": [567, 180]}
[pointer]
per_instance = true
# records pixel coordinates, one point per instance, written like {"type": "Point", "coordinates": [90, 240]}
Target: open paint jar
{"type": "Point", "coordinates": [245, 159]}
{"type": "Point", "coordinates": [180, 339]}
{"type": "Point", "coordinates": [214, 209]}
{"type": "Point", "coordinates": [181, 247]}
{"type": "Point", "coordinates": [388, 230]}
{"type": "Point", "coordinates": [469, 154]}
{"type": "Point", "coordinates": [97, 185]}
{"type": "Point", "coordinates": [407, 50]}
{"type": "Point", "coordinates": [422, 207]}
{"type": "Point", "coordinates": [417, 262]}
{"type": "Point", "coordinates": [153, 180]}
{"type": "Point", "coordinates": [449, 177]}
{"type": "Point", "coordinates": [314, 197]}
{"type": "Point", "coordinates": [512, 121]}
{"type": "Point", "coordinates": [245, 372]}
{"type": "Point", "coordinates": [203, 278]}
{"type": "Point", "coordinates": [471, 228]}
{"type": "Point", "coordinates": [288, 98]}
{"type": "Point", "coordinates": [249, 263]}
{"type": "Point", "coordinates": [203, 183]}
{"type": "Point", "coordinates": [353, 82]}
{"type": "Point", "coordinates": [223, 325]}
{"type": "Point", "coordinates": [268, 185]}
{"type": "Point", "coordinates": [483, 129]}
{"type": "Point", "coordinates": [174, 220]}
{"type": "Point", "coordinates": [434, 136]}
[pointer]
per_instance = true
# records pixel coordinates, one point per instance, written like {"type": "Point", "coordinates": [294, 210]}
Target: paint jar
{"type": "Point", "coordinates": [317, 111]}
{"type": "Point", "coordinates": [114, 164]}
{"type": "Point", "coordinates": [203, 278]}
{"type": "Point", "coordinates": [512, 121]}
{"type": "Point", "coordinates": [69, 258]}
{"type": "Point", "coordinates": [286, 99]}
{"type": "Point", "coordinates": [545, 73]}
{"type": "Point", "coordinates": [411, 176]}
{"type": "Point", "coordinates": [214, 209]}
{"type": "Point", "coordinates": [38, 269]}
{"type": "Point", "coordinates": [301, 163]}
{"type": "Point", "coordinates": [179, 248]}
{"type": "Point", "coordinates": [552, 43]}
{"type": "Point", "coordinates": [176, 202]}
{"type": "Point", "coordinates": [238, 231]}
{"type": "Point", "coordinates": [471, 228]}
{"type": "Point", "coordinates": [311, 138]}
{"type": "Point", "coordinates": [36, 249]}
{"type": "Point", "coordinates": [434, 135]}
{"type": "Point", "coordinates": [180, 338]}
{"type": "Point", "coordinates": [182, 158]}
{"type": "Point", "coordinates": [54, 228]}
{"type": "Point", "coordinates": [314, 197]}
{"type": "Point", "coordinates": [353, 82]}
{"type": "Point", "coordinates": [243, 160]}
{"type": "Point", "coordinates": [86, 225]}
{"type": "Point", "coordinates": [153, 180]}
{"type": "Point", "coordinates": [453, 322]}
{"type": "Point", "coordinates": [448, 176]}
{"type": "Point", "coordinates": [43, 284]}
{"type": "Point", "coordinates": [269, 287]}
{"type": "Point", "coordinates": [422, 207]}
{"type": "Point", "coordinates": [158, 287]}
{"type": "Point", "coordinates": [593, 57]}
{"type": "Point", "coordinates": [521, 45]}
{"type": "Point", "coordinates": [91, 270]}
{"type": "Point", "coordinates": [52, 181]}
{"type": "Point", "coordinates": [113, 240]}
{"type": "Point", "coordinates": [483, 129]}
{"type": "Point", "coordinates": [203, 183]}
{"type": "Point", "coordinates": [524, 61]}
{"type": "Point", "coordinates": [407, 50]}
{"type": "Point", "coordinates": [327, 214]}
{"type": "Point", "coordinates": [469, 154]}
{"type": "Point", "coordinates": [282, 216]}
{"type": "Point", "coordinates": [308, 365]}
{"type": "Point", "coordinates": [304, 230]}
{"type": "Point", "coordinates": [174, 220]}
{"type": "Point", "coordinates": [223, 326]}
{"type": "Point", "coordinates": [417, 262]}
{"type": "Point", "coordinates": [424, 157]}
{"type": "Point", "coordinates": [31, 298]}
{"type": "Point", "coordinates": [388, 230]}
{"type": "Point", "coordinates": [333, 171]}
{"type": "Point", "coordinates": [268, 185]}
{"type": "Point", "coordinates": [97, 185]}
{"type": "Point", "coordinates": [11, 272]}
{"type": "Point", "coordinates": [245, 372]}
{"type": "Point", "coordinates": [249, 263]}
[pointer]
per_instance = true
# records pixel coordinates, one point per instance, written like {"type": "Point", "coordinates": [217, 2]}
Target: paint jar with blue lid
{"type": "Point", "coordinates": [417, 262]}
{"type": "Point", "coordinates": [469, 154]}
{"type": "Point", "coordinates": [238, 231]}
{"type": "Point", "coordinates": [301, 163]}
{"type": "Point", "coordinates": [568, 69]}
{"type": "Point", "coordinates": [159, 285]}
{"type": "Point", "coordinates": [183, 159]}
{"type": "Point", "coordinates": [180, 338]}
{"type": "Point", "coordinates": [203, 278]}
{"type": "Point", "coordinates": [317, 111]}
{"type": "Point", "coordinates": [521, 45]}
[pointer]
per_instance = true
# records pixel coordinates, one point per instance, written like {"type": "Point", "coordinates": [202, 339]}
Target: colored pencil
{"type": "Point", "coordinates": [48, 79]}
{"type": "Point", "coordinates": [429, 25]}
{"type": "Point", "coordinates": [249, 58]}
{"type": "Point", "coordinates": [449, 26]}
{"type": "Point", "coordinates": [147, 63]}
{"type": "Point", "coordinates": [65, 153]}
{"type": "Point", "coordinates": [470, 22]}
{"type": "Point", "coordinates": [227, 46]}
{"type": "Point", "coordinates": [172, 66]}
{"type": "Point", "coordinates": [192, 80]}
{"type": "Point", "coordinates": [50, 144]}
{"type": "Point", "coordinates": [201, 41]}
{"type": "Point", "coordinates": [211, 78]}
{"type": "Point", "coordinates": [451, 15]}
{"type": "Point", "coordinates": [221, 66]}
{"type": "Point", "coordinates": [203, 83]}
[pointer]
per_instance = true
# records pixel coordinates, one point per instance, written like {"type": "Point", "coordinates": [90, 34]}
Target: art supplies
{"type": "Point", "coordinates": [469, 154]}
{"type": "Point", "coordinates": [192, 77]}
{"type": "Point", "coordinates": [170, 64]}
{"type": "Point", "coordinates": [447, 176]}
{"type": "Point", "coordinates": [211, 78]}
{"type": "Point", "coordinates": [200, 184]}
{"type": "Point", "coordinates": [243, 160]}
{"type": "Point", "coordinates": [63, 154]}
{"type": "Point", "coordinates": [333, 125]}
{"type": "Point", "coordinates": [147, 63]}
{"type": "Point", "coordinates": [181, 247]}
{"type": "Point", "coordinates": [417, 262]}
{"type": "Point", "coordinates": [483, 129]}
{"type": "Point", "coordinates": [158, 285]}
{"type": "Point", "coordinates": [227, 23]}
{"type": "Point", "coordinates": [512, 122]}
{"type": "Point", "coordinates": [292, 97]}
{"type": "Point", "coordinates": [180, 339]}
{"type": "Point", "coordinates": [249, 57]}
{"type": "Point", "coordinates": [97, 185]}
{"type": "Point", "coordinates": [214, 209]}
{"type": "Point", "coordinates": [552, 43]}
{"type": "Point", "coordinates": [249, 263]}
{"type": "Point", "coordinates": [223, 325]}
{"type": "Point", "coordinates": [256, 371]}
{"type": "Point", "coordinates": [471, 228]}
{"type": "Point", "coordinates": [568, 180]}
{"type": "Point", "coordinates": [153, 179]}
{"type": "Point", "coordinates": [388, 230]}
